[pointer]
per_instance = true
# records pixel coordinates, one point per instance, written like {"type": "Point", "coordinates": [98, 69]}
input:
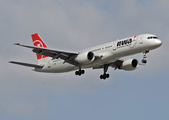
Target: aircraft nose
{"type": "Point", "coordinates": [158, 42]}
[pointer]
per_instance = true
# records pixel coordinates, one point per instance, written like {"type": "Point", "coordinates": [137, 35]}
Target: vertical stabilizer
{"type": "Point", "coordinates": [37, 41]}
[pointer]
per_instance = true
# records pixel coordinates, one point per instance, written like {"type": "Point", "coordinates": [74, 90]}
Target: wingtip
{"type": "Point", "coordinates": [16, 43]}
{"type": "Point", "coordinates": [10, 62]}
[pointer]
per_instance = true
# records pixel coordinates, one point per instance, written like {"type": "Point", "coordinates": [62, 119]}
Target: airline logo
{"type": "Point", "coordinates": [37, 41]}
{"type": "Point", "coordinates": [124, 42]}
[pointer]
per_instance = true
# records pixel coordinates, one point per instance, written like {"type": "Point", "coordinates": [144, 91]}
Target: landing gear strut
{"type": "Point", "coordinates": [145, 56]}
{"type": "Point", "coordinates": [104, 76]}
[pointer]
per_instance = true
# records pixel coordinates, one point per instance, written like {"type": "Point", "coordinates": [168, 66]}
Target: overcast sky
{"type": "Point", "coordinates": [72, 25]}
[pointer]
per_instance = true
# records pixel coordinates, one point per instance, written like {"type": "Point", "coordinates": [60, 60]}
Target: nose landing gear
{"type": "Point", "coordinates": [145, 56]}
{"type": "Point", "coordinates": [144, 61]}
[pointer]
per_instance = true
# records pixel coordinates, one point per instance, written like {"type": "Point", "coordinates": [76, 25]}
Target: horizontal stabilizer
{"type": "Point", "coordinates": [26, 64]}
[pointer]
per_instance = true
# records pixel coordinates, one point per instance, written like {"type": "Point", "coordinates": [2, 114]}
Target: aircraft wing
{"type": "Point", "coordinates": [55, 54]}
{"type": "Point", "coordinates": [26, 64]}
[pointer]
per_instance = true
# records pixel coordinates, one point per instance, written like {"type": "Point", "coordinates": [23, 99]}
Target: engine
{"type": "Point", "coordinates": [85, 58]}
{"type": "Point", "coordinates": [130, 64]}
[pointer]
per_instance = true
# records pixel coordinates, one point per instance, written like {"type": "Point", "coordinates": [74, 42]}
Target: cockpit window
{"type": "Point", "coordinates": [152, 37]}
{"type": "Point", "coordinates": [149, 38]}
{"type": "Point", "coordinates": [155, 37]}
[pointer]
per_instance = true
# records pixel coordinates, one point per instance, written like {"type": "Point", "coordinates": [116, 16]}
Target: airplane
{"type": "Point", "coordinates": [98, 57]}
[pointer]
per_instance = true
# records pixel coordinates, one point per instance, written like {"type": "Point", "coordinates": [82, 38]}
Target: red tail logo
{"type": "Point", "coordinates": [37, 41]}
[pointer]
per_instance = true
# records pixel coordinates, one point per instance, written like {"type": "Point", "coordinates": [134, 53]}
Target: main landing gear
{"type": "Point", "coordinates": [79, 72]}
{"type": "Point", "coordinates": [145, 56]}
{"type": "Point", "coordinates": [104, 76]}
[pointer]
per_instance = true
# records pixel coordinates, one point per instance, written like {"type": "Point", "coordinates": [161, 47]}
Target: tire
{"type": "Point", "coordinates": [107, 75]}
{"type": "Point", "coordinates": [101, 76]}
{"type": "Point", "coordinates": [82, 71]}
{"type": "Point", "coordinates": [144, 61]}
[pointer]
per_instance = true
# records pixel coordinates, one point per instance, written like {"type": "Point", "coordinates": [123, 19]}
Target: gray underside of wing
{"type": "Point", "coordinates": [115, 65]}
{"type": "Point", "coordinates": [26, 64]}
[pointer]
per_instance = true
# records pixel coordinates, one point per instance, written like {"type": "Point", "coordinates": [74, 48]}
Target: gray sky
{"type": "Point", "coordinates": [74, 25]}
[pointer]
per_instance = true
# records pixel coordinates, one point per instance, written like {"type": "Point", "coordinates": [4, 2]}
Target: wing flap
{"type": "Point", "coordinates": [26, 64]}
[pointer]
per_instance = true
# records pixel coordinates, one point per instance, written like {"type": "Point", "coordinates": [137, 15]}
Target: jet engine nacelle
{"type": "Point", "coordinates": [130, 64]}
{"type": "Point", "coordinates": [85, 58]}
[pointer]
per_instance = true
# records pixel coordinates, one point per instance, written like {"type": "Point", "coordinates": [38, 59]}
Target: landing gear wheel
{"type": "Point", "coordinates": [104, 76]}
{"type": "Point", "coordinates": [77, 73]}
{"type": "Point", "coordinates": [144, 61]}
{"type": "Point", "coordinates": [101, 76]}
{"type": "Point", "coordinates": [80, 72]}
{"type": "Point", "coordinates": [107, 75]}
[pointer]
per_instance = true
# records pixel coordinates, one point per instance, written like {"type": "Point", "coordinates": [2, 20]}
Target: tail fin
{"type": "Point", "coordinates": [37, 41]}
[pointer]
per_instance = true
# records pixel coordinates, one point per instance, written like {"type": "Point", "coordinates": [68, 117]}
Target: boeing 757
{"type": "Point", "coordinates": [98, 57]}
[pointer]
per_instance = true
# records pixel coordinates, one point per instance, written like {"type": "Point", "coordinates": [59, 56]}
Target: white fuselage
{"type": "Point", "coordinates": [107, 53]}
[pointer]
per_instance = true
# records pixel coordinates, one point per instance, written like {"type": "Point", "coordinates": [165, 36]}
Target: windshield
{"type": "Point", "coordinates": [152, 37]}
